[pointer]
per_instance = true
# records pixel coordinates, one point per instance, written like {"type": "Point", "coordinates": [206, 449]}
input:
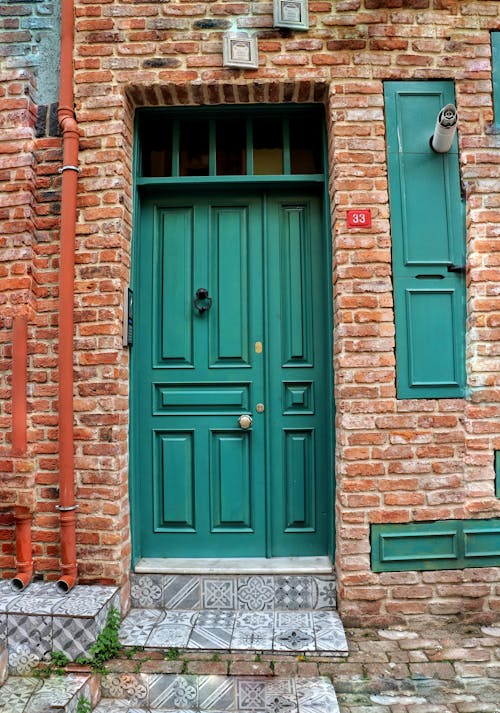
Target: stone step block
{"type": "Point", "coordinates": [166, 693]}
{"type": "Point", "coordinates": [40, 619]}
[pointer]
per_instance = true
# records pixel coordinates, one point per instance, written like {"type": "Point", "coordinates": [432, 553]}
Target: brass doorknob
{"type": "Point", "coordinates": [245, 420]}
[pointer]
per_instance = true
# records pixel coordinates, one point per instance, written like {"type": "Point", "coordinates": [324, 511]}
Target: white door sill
{"type": "Point", "coordinates": [244, 565]}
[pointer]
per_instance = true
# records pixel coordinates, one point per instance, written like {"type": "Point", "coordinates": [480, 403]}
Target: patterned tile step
{"type": "Point", "coordinates": [40, 619]}
{"type": "Point", "coordinates": [242, 592]}
{"type": "Point", "coordinates": [166, 693]}
{"type": "Point", "coordinates": [34, 695]}
{"type": "Point", "coordinates": [289, 631]}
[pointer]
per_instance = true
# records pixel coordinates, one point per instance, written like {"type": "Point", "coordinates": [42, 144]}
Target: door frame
{"type": "Point", "coordinates": [281, 184]}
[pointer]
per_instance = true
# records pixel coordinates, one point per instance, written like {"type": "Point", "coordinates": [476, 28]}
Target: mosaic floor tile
{"type": "Point", "coordinates": [138, 625]}
{"type": "Point", "coordinates": [206, 638]}
{"type": "Point", "coordinates": [324, 593]}
{"type": "Point", "coordinates": [167, 636]}
{"type": "Point", "coordinates": [129, 687]}
{"type": "Point", "coordinates": [81, 604]}
{"type": "Point", "coordinates": [146, 591]}
{"type": "Point", "coordinates": [29, 640]}
{"type": "Point", "coordinates": [218, 593]}
{"type": "Point", "coordinates": [173, 691]}
{"type": "Point", "coordinates": [16, 692]}
{"type": "Point", "coordinates": [294, 640]}
{"type": "Point", "coordinates": [330, 634]}
{"type": "Point", "coordinates": [252, 639]}
{"type": "Point", "coordinates": [256, 593]}
{"type": "Point", "coordinates": [182, 592]}
{"type": "Point", "coordinates": [22, 660]}
{"type": "Point", "coordinates": [74, 636]}
{"type": "Point", "coordinates": [293, 593]}
{"type": "Point", "coordinates": [216, 693]}
{"type": "Point", "coordinates": [3, 629]}
{"type": "Point", "coordinates": [250, 694]}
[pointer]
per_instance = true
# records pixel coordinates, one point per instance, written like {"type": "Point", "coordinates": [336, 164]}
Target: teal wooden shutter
{"type": "Point", "coordinates": [427, 223]}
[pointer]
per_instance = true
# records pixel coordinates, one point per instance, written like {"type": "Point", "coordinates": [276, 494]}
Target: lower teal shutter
{"type": "Point", "coordinates": [427, 225]}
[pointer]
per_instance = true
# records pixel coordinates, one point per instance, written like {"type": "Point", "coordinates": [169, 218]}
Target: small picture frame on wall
{"type": "Point", "coordinates": [240, 49]}
{"type": "Point", "coordinates": [293, 14]}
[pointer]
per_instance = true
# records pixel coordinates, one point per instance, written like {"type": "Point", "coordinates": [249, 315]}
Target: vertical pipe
{"type": "Point", "coordinates": [24, 560]}
{"type": "Point", "coordinates": [69, 170]}
{"type": "Point", "coordinates": [19, 382]}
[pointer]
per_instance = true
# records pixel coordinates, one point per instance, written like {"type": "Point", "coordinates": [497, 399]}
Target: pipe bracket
{"type": "Point", "coordinates": [67, 508]}
{"type": "Point", "coordinates": [69, 167]}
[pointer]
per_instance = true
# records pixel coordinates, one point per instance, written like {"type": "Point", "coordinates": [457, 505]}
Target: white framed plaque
{"type": "Point", "coordinates": [293, 14]}
{"type": "Point", "coordinates": [239, 49]}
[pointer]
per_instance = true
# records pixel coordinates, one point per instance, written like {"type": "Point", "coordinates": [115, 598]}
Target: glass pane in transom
{"type": "Point", "coordinates": [194, 148]}
{"type": "Point", "coordinates": [231, 147]}
{"type": "Point", "coordinates": [267, 147]}
{"type": "Point", "coordinates": [156, 155]}
{"type": "Point", "coordinates": [305, 144]}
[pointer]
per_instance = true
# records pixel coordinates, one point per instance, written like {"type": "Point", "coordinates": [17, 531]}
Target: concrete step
{"type": "Point", "coordinates": [35, 695]}
{"type": "Point", "coordinates": [169, 693]}
{"type": "Point", "coordinates": [40, 619]}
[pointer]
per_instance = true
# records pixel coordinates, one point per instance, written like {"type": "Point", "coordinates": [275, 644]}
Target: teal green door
{"type": "Point", "coordinates": [258, 346]}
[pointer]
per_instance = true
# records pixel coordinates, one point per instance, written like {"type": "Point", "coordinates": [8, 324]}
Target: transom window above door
{"type": "Point", "coordinates": [175, 143]}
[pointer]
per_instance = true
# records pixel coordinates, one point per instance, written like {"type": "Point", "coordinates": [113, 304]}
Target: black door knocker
{"type": "Point", "coordinates": [202, 301]}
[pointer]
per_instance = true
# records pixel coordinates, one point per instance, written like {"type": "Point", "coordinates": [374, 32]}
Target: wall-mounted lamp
{"type": "Point", "coordinates": [239, 49]}
{"type": "Point", "coordinates": [293, 14]}
{"type": "Point", "coordinates": [445, 129]}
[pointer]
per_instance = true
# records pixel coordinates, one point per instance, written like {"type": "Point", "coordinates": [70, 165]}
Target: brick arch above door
{"type": "Point", "coordinates": [170, 94]}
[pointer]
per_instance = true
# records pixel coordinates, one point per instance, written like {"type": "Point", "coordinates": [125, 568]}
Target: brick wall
{"type": "Point", "coordinates": [29, 39]}
{"type": "Point", "coordinates": [17, 186]}
{"type": "Point", "coordinates": [396, 460]}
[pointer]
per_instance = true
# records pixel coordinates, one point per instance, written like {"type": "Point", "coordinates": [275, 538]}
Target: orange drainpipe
{"type": "Point", "coordinates": [19, 383]}
{"type": "Point", "coordinates": [69, 170]}
{"type": "Point", "coordinates": [22, 515]}
{"type": "Point", "coordinates": [24, 553]}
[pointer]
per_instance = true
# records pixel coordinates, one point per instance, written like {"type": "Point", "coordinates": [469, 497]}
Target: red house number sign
{"type": "Point", "coordinates": [361, 218]}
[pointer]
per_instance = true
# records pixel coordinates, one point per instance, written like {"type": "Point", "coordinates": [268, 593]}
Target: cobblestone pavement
{"type": "Point", "coordinates": [436, 670]}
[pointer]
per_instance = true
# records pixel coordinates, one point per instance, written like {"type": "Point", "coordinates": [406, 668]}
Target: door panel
{"type": "Point", "coordinates": [207, 487]}
{"type": "Point", "coordinates": [298, 331]}
{"type": "Point", "coordinates": [175, 255]}
{"type": "Point", "coordinates": [228, 253]}
{"type": "Point", "coordinates": [173, 471]}
{"type": "Point", "coordinates": [231, 482]}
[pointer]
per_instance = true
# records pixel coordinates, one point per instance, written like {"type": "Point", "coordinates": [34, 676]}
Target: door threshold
{"type": "Point", "coordinates": [243, 565]}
